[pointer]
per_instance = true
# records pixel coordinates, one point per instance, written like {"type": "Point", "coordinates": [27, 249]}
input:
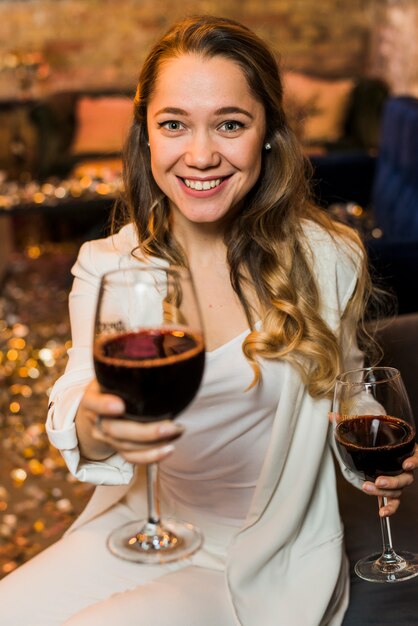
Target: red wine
{"type": "Point", "coordinates": [157, 372]}
{"type": "Point", "coordinates": [374, 445]}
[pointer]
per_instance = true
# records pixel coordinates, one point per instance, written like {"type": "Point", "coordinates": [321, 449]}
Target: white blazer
{"type": "Point", "coordinates": [286, 566]}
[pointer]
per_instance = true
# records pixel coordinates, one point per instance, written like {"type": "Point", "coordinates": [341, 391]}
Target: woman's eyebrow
{"type": "Point", "coordinates": [231, 110]}
{"type": "Point", "coordinates": [172, 111]}
{"type": "Point", "coordinates": [222, 111]}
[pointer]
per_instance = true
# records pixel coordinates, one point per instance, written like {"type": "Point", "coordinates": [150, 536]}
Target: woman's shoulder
{"type": "Point", "coordinates": [336, 257]}
{"type": "Point", "coordinates": [98, 256]}
{"type": "Point", "coordinates": [338, 245]}
{"type": "Point", "coordinates": [114, 246]}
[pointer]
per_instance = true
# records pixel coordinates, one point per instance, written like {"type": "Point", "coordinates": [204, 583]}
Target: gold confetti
{"type": "Point", "coordinates": [37, 499]}
{"type": "Point", "coordinates": [18, 475]}
{"type": "Point", "coordinates": [16, 342]}
{"type": "Point", "coordinates": [9, 567]}
{"type": "Point", "coordinates": [36, 467]}
{"type": "Point", "coordinates": [28, 453]}
{"type": "Point", "coordinates": [26, 391]}
{"type": "Point", "coordinates": [38, 526]}
{"type": "Point", "coordinates": [12, 355]}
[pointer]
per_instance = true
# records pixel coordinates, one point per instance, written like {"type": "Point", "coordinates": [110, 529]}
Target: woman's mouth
{"type": "Point", "coordinates": [202, 185]}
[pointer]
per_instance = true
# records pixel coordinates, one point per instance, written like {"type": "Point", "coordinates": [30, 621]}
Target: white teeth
{"type": "Point", "coordinates": [204, 185]}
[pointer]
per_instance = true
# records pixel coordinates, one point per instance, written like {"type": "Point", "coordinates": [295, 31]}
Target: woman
{"type": "Point", "coordinates": [215, 180]}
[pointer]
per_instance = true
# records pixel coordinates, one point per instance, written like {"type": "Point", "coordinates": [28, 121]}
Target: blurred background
{"type": "Point", "coordinates": [68, 71]}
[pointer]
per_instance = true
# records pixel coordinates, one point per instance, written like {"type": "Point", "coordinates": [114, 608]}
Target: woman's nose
{"type": "Point", "coordinates": [202, 151]}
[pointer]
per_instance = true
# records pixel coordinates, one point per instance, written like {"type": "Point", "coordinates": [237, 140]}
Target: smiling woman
{"type": "Point", "coordinates": [205, 137]}
{"type": "Point", "coordinates": [215, 181]}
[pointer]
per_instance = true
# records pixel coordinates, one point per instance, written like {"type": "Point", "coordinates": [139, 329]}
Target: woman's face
{"type": "Point", "coordinates": [206, 132]}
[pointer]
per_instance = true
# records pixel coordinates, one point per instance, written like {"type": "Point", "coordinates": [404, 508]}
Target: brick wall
{"type": "Point", "coordinates": [394, 44]}
{"type": "Point", "coordinates": [101, 43]}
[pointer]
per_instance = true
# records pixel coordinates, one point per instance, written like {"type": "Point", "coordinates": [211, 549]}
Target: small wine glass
{"type": "Point", "coordinates": [149, 350]}
{"type": "Point", "coordinates": [374, 433]}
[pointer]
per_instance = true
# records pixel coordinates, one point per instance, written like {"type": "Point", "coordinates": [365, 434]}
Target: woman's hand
{"type": "Point", "coordinates": [101, 432]}
{"type": "Point", "coordinates": [391, 486]}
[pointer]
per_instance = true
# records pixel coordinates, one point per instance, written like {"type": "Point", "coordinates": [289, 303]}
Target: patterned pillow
{"type": "Point", "coordinates": [316, 107]}
{"type": "Point", "coordinates": [101, 124]}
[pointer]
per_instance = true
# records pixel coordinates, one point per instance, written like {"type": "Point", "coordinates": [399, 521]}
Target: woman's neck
{"type": "Point", "coordinates": [203, 244]}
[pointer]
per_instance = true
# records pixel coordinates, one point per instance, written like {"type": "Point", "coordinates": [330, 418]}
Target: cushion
{"type": "Point", "coordinates": [316, 107]}
{"type": "Point", "coordinates": [101, 124]}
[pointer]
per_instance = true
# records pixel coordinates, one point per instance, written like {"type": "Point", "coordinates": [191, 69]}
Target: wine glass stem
{"type": "Point", "coordinates": [388, 555]}
{"type": "Point", "coordinates": [152, 494]}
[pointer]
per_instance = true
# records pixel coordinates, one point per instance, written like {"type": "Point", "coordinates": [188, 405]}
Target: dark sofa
{"type": "Point", "coordinates": [386, 186]}
{"type": "Point", "coordinates": [372, 603]}
{"type": "Point", "coordinates": [395, 201]}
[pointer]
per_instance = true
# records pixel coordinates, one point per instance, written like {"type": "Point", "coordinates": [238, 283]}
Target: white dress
{"type": "Point", "coordinates": [211, 477]}
{"type": "Point", "coordinates": [271, 524]}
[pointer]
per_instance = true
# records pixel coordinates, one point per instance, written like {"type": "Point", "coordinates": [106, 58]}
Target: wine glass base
{"type": "Point", "coordinates": [374, 569]}
{"type": "Point", "coordinates": [145, 542]}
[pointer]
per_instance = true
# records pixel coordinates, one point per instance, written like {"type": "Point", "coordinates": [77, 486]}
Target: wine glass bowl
{"type": "Point", "coordinates": [374, 432]}
{"type": "Point", "coordinates": [149, 350]}
{"type": "Point", "coordinates": [139, 364]}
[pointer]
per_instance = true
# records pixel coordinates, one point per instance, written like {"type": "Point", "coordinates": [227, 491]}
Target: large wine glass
{"type": "Point", "coordinates": [374, 433]}
{"type": "Point", "coordinates": [149, 350]}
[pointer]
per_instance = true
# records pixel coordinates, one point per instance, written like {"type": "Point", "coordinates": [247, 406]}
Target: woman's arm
{"type": "Point", "coordinates": [99, 455]}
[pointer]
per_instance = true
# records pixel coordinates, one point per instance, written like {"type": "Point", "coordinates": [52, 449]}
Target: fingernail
{"type": "Point", "coordinates": [408, 466]}
{"type": "Point", "coordinates": [116, 406]}
{"type": "Point", "coordinates": [381, 483]}
{"type": "Point", "coordinates": [170, 428]}
{"type": "Point", "coordinates": [165, 450]}
{"type": "Point", "coordinates": [368, 487]}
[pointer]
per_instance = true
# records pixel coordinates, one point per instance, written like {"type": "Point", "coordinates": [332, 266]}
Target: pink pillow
{"type": "Point", "coordinates": [317, 107]}
{"type": "Point", "coordinates": [102, 124]}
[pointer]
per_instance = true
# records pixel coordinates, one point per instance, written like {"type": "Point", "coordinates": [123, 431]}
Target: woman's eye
{"type": "Point", "coordinates": [231, 126]}
{"type": "Point", "coordinates": [171, 125]}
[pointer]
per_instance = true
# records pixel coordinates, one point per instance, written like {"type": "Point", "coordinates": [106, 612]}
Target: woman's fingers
{"type": "Point", "coordinates": [144, 446]}
{"type": "Point", "coordinates": [411, 462]}
{"type": "Point", "coordinates": [390, 507]}
{"type": "Point", "coordinates": [102, 403]}
{"type": "Point", "coordinates": [394, 483]}
{"type": "Point", "coordinates": [148, 455]}
{"type": "Point", "coordinates": [392, 495]}
{"type": "Point", "coordinates": [389, 487]}
{"type": "Point", "coordinates": [101, 415]}
{"type": "Point", "coordinates": [129, 435]}
{"type": "Point", "coordinates": [137, 442]}
{"type": "Point", "coordinates": [139, 432]}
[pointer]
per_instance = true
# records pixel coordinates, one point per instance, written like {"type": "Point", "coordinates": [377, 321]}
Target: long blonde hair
{"type": "Point", "coordinates": [264, 242]}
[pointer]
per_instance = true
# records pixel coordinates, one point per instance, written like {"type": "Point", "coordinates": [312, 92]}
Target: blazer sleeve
{"type": "Point", "coordinates": [93, 260]}
{"type": "Point", "coordinates": [348, 262]}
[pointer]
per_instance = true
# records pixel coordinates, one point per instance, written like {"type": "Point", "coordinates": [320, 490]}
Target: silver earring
{"type": "Point", "coordinates": [267, 146]}
{"type": "Point", "coordinates": [148, 144]}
